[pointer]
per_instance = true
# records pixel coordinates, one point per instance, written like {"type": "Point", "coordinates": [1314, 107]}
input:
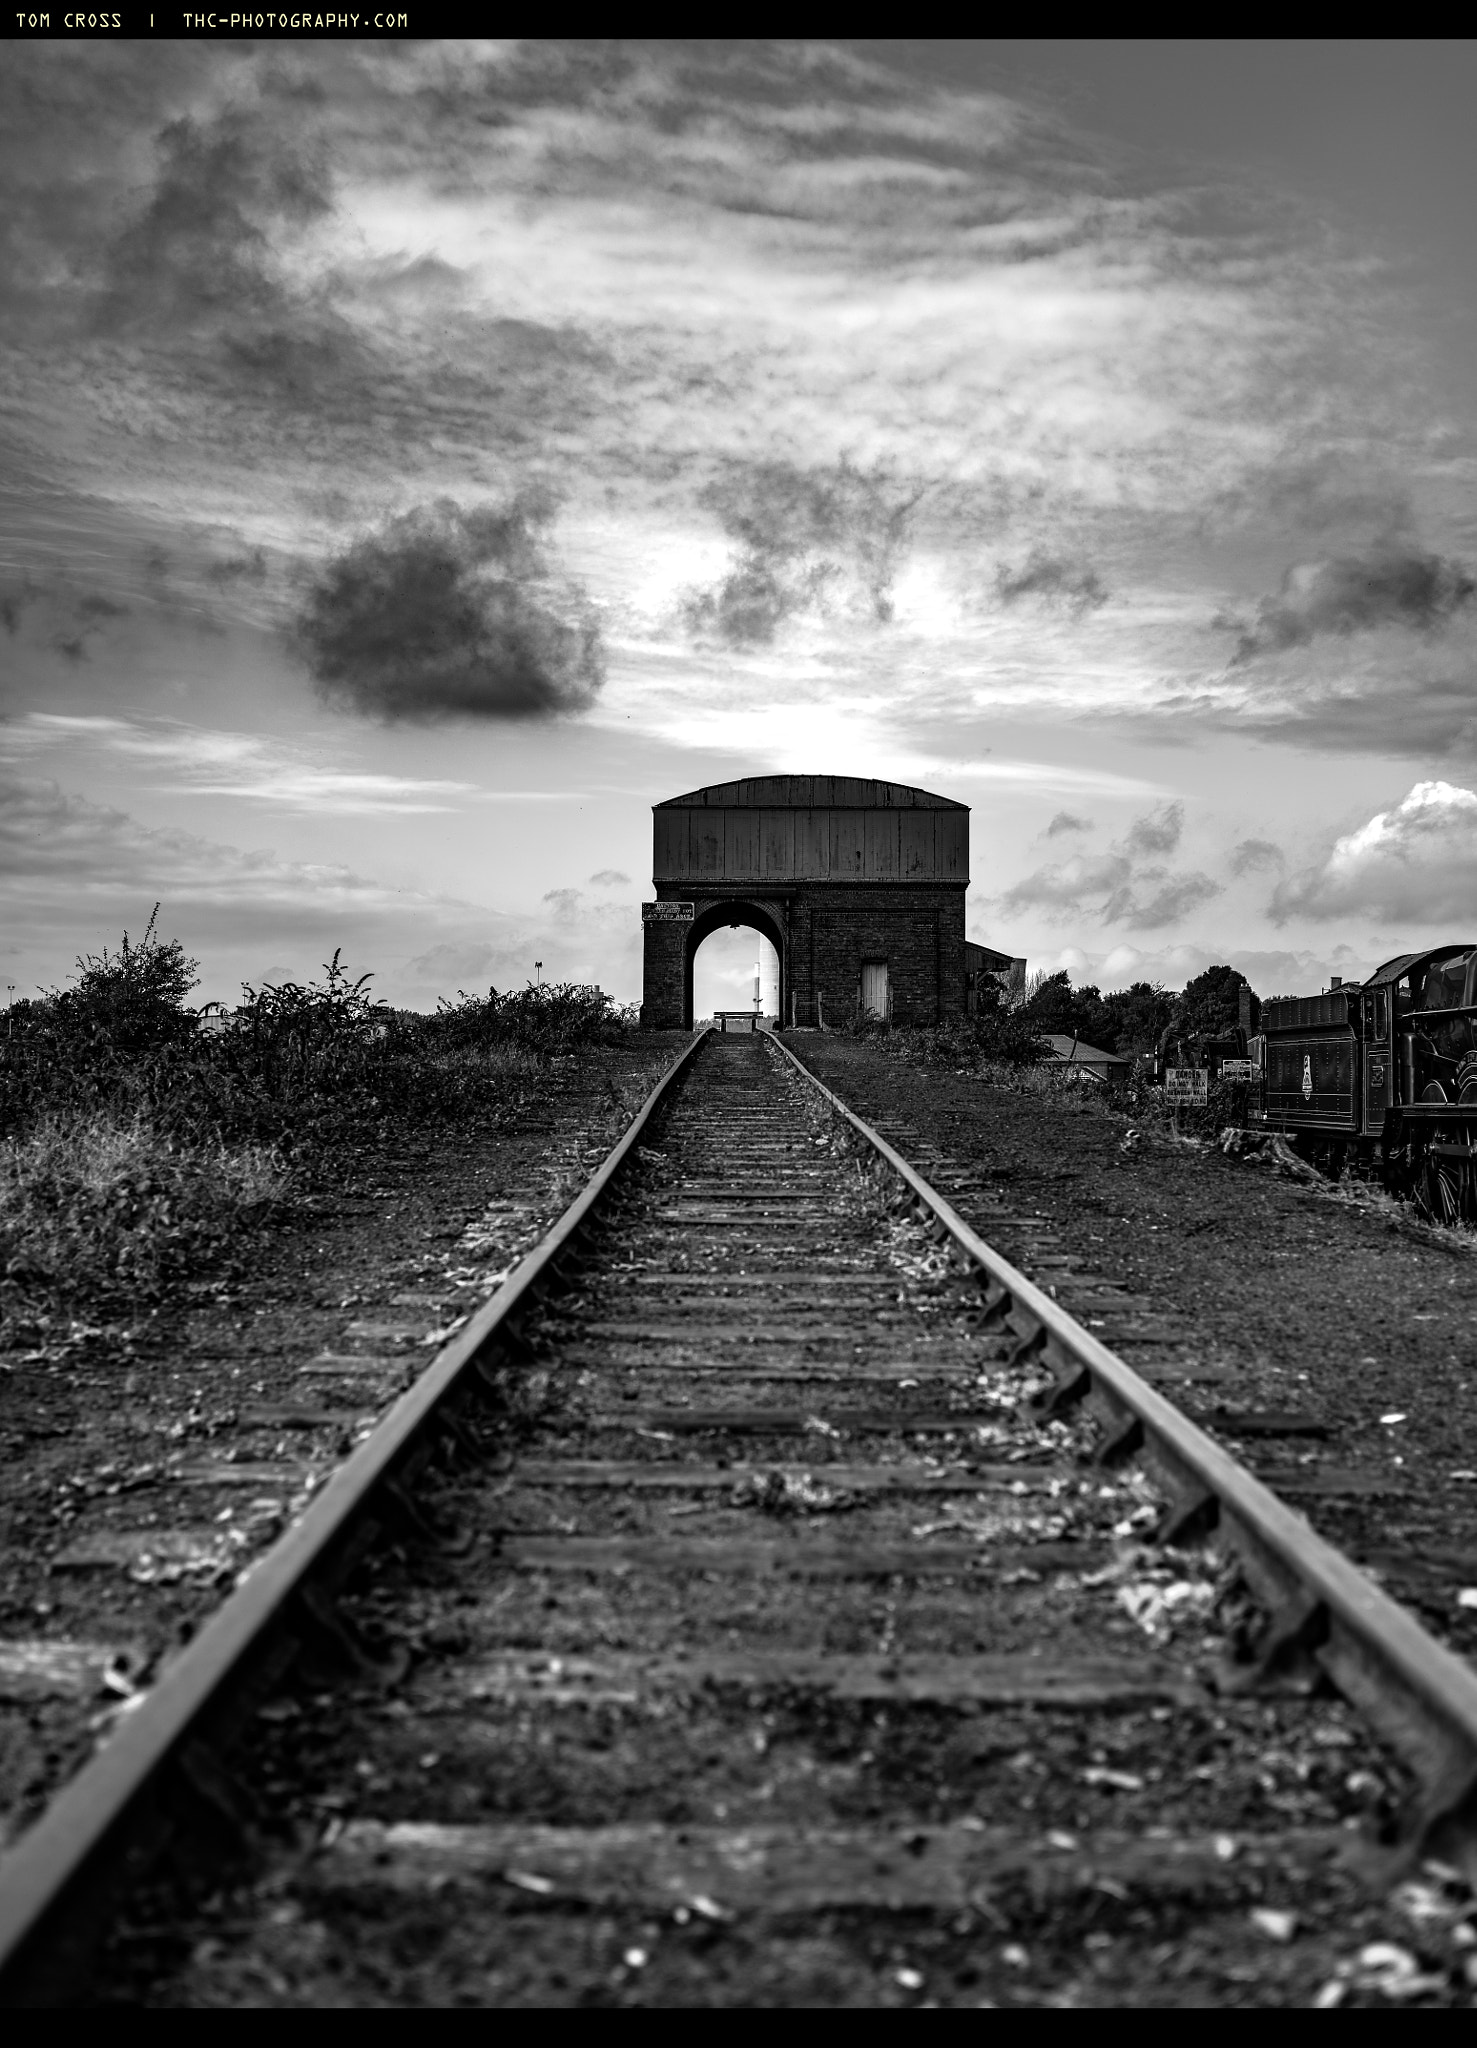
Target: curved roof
{"type": "Point", "coordinates": [810, 793]}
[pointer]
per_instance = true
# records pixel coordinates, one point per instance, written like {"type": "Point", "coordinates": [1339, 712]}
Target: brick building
{"type": "Point", "coordinates": [858, 885]}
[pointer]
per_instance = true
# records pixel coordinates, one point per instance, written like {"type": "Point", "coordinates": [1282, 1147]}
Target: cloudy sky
{"type": "Point", "coordinates": [418, 459]}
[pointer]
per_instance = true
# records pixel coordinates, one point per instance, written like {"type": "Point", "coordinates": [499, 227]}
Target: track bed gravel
{"type": "Point", "coordinates": [738, 1688]}
{"type": "Point", "coordinates": [144, 1461]}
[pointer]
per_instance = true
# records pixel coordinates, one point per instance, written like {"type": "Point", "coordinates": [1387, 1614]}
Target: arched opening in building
{"type": "Point", "coordinates": [730, 947]}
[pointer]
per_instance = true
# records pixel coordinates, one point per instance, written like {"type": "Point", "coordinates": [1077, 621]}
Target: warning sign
{"type": "Point", "coordinates": [1237, 1070]}
{"type": "Point", "coordinates": [1186, 1084]}
{"type": "Point", "coordinates": [666, 913]}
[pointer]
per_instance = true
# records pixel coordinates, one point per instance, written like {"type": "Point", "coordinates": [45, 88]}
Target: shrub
{"type": "Point", "coordinates": [549, 1020]}
{"type": "Point", "coordinates": [137, 1137]}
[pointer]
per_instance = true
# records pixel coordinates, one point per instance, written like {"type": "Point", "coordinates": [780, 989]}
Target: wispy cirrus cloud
{"type": "Point", "coordinates": [232, 764]}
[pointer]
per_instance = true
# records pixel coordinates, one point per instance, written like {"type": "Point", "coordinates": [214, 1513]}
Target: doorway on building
{"type": "Point", "coordinates": [874, 989]}
{"type": "Point", "coordinates": [735, 969]}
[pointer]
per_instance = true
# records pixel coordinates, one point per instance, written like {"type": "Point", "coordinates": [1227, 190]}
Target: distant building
{"type": "Point", "coordinates": [859, 886]}
{"type": "Point", "coordinates": [984, 961]}
{"type": "Point", "coordinates": [1111, 1068]}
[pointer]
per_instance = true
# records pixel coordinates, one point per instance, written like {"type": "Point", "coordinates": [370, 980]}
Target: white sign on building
{"type": "Point", "coordinates": [1186, 1084]}
{"type": "Point", "coordinates": [666, 913]}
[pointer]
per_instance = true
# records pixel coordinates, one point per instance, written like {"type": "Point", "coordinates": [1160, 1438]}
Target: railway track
{"type": "Point", "coordinates": [771, 1595]}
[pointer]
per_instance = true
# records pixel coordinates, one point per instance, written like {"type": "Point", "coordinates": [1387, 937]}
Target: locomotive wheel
{"type": "Point", "coordinates": [1438, 1191]}
{"type": "Point", "coordinates": [1446, 1188]}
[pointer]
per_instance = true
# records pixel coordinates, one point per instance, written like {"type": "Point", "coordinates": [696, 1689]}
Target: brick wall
{"type": "Point", "coordinates": [661, 980]}
{"type": "Point", "coordinates": [918, 931]}
{"type": "Point", "coordinates": [832, 928]}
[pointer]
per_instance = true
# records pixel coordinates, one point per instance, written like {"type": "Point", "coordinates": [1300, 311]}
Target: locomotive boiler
{"type": "Point", "coordinates": [1382, 1075]}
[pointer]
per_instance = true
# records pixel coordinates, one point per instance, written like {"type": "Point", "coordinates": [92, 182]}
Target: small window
{"type": "Point", "coordinates": [1445, 984]}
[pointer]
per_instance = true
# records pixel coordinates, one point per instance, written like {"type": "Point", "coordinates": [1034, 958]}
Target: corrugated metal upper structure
{"type": "Point", "coordinates": [810, 828]}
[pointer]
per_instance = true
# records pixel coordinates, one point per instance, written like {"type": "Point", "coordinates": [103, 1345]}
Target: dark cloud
{"type": "Point", "coordinates": [1129, 885]}
{"type": "Point", "coordinates": [1157, 831]}
{"type": "Point", "coordinates": [205, 261]}
{"type": "Point", "coordinates": [201, 247]}
{"type": "Point", "coordinates": [564, 903]}
{"type": "Point", "coordinates": [66, 618]}
{"type": "Point", "coordinates": [1344, 493]}
{"type": "Point", "coordinates": [1389, 586]}
{"type": "Point", "coordinates": [1072, 888]}
{"type": "Point", "coordinates": [1171, 900]}
{"type": "Point", "coordinates": [451, 613]}
{"type": "Point", "coordinates": [96, 606]}
{"type": "Point", "coordinates": [1254, 855]}
{"type": "Point", "coordinates": [1052, 580]}
{"type": "Point", "coordinates": [1065, 821]}
{"type": "Point", "coordinates": [808, 541]}
{"type": "Point", "coordinates": [12, 604]}
{"type": "Point", "coordinates": [250, 567]}
{"type": "Point", "coordinates": [608, 878]}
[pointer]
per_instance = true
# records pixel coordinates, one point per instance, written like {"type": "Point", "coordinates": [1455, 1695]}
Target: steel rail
{"type": "Point", "coordinates": [1418, 1695]}
{"type": "Point", "coordinates": [108, 1814]}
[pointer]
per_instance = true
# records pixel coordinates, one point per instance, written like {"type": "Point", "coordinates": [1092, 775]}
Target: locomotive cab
{"type": "Point", "coordinates": [1387, 1070]}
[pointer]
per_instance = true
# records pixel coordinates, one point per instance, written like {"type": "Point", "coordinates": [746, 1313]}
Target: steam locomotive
{"type": "Point", "coordinates": [1381, 1076]}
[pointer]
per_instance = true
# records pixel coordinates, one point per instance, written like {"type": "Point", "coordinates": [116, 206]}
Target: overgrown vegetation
{"type": "Point", "coordinates": [98, 1206]}
{"type": "Point", "coordinates": [1006, 1042]}
{"type": "Point", "coordinates": [137, 1135]}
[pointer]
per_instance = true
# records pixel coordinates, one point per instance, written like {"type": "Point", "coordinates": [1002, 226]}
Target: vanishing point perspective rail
{"type": "Point", "coordinates": [756, 1600]}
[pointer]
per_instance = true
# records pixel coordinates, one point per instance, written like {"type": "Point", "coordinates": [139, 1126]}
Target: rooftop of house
{"type": "Point", "coordinates": [1065, 1047]}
